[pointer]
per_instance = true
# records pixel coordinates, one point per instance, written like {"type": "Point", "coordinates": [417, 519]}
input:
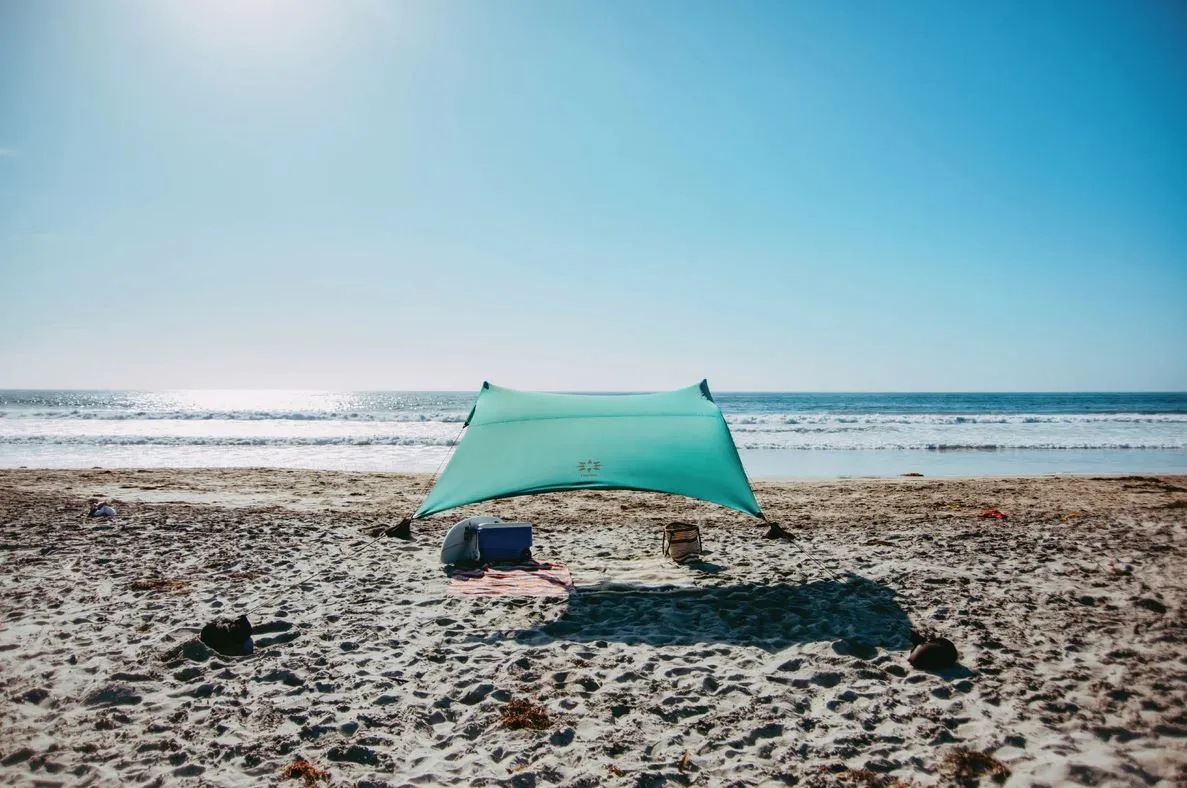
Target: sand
{"type": "Point", "coordinates": [771, 662]}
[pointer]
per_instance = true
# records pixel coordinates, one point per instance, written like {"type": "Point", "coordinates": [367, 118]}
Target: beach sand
{"type": "Point", "coordinates": [770, 662]}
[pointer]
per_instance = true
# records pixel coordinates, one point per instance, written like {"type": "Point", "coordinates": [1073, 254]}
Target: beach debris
{"type": "Point", "coordinates": [100, 509]}
{"type": "Point", "coordinates": [1149, 481]}
{"type": "Point", "coordinates": [969, 766]}
{"type": "Point", "coordinates": [302, 769]}
{"type": "Point", "coordinates": [994, 514]}
{"type": "Point", "coordinates": [521, 713]}
{"type": "Point", "coordinates": [159, 584]}
{"type": "Point", "coordinates": [685, 762]}
{"type": "Point", "coordinates": [933, 653]}
{"type": "Point", "coordinates": [614, 770]}
{"type": "Point", "coordinates": [228, 636]}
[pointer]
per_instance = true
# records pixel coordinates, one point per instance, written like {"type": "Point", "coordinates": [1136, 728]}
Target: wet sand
{"type": "Point", "coordinates": [770, 662]}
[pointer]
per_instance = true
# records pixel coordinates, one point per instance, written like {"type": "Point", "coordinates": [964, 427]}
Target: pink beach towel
{"type": "Point", "coordinates": [535, 579]}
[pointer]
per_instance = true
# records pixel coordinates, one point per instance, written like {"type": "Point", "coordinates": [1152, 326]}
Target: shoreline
{"type": "Point", "coordinates": [769, 464]}
{"type": "Point", "coordinates": [773, 662]}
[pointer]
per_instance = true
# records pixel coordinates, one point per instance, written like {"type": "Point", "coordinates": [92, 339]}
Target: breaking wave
{"type": "Point", "coordinates": [926, 446]}
{"type": "Point", "coordinates": [771, 422]}
{"type": "Point", "coordinates": [233, 415]}
{"type": "Point", "coordinates": [743, 442]}
{"type": "Point", "coordinates": [395, 429]}
{"type": "Point", "coordinates": [246, 440]}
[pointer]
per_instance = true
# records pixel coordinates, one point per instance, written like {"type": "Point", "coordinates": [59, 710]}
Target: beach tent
{"type": "Point", "coordinates": [521, 443]}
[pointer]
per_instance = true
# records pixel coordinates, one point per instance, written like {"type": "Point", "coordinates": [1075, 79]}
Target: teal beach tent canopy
{"type": "Point", "coordinates": [521, 443]}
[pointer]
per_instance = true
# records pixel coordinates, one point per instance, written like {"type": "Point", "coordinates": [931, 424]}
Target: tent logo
{"type": "Point", "coordinates": [588, 468]}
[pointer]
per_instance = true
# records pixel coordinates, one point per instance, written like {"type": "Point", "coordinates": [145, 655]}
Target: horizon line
{"type": "Point", "coordinates": [600, 391]}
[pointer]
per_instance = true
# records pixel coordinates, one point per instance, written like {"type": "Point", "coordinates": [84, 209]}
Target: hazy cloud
{"type": "Point", "coordinates": [7, 153]}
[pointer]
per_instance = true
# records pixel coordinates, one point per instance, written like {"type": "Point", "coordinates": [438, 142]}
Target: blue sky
{"type": "Point", "coordinates": [631, 195]}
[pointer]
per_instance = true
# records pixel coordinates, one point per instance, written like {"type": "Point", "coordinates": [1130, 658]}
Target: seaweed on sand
{"type": "Point", "coordinates": [969, 766]}
{"type": "Point", "coordinates": [159, 584]}
{"type": "Point", "coordinates": [302, 769]}
{"type": "Point", "coordinates": [520, 713]}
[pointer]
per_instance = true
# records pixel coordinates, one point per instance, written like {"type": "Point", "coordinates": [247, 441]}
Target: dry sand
{"type": "Point", "coordinates": [772, 662]}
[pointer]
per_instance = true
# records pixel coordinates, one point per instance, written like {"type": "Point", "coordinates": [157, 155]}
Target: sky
{"type": "Point", "coordinates": [561, 195]}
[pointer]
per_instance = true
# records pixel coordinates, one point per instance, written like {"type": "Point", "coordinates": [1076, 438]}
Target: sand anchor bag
{"type": "Point", "coordinates": [682, 542]}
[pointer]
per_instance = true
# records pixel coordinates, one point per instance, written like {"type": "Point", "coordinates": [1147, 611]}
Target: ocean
{"type": "Point", "coordinates": [778, 435]}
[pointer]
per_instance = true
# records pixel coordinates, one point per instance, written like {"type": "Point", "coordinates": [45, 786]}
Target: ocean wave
{"type": "Point", "coordinates": [801, 429]}
{"type": "Point", "coordinates": [929, 446]}
{"type": "Point", "coordinates": [768, 422]}
{"type": "Point", "coordinates": [246, 440]}
{"type": "Point", "coordinates": [779, 421]}
{"type": "Point", "coordinates": [187, 415]}
{"type": "Point", "coordinates": [409, 441]}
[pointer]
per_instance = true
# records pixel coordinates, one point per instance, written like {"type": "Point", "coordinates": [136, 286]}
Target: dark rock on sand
{"type": "Point", "coordinates": [230, 637]}
{"type": "Point", "coordinates": [935, 654]}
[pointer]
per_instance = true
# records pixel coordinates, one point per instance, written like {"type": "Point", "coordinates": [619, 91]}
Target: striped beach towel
{"type": "Point", "coordinates": [534, 579]}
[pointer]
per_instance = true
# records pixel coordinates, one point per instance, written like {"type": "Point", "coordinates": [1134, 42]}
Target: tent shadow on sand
{"type": "Point", "coordinates": [856, 610]}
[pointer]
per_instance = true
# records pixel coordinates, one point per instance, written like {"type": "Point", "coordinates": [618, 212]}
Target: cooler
{"type": "Point", "coordinates": [500, 543]}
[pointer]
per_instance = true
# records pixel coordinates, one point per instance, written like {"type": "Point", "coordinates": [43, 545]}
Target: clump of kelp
{"type": "Point", "coordinates": [161, 584]}
{"type": "Point", "coordinates": [305, 771]}
{"type": "Point", "coordinates": [519, 714]}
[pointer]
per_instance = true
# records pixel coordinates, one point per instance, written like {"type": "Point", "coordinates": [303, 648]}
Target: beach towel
{"type": "Point", "coordinates": [530, 579]}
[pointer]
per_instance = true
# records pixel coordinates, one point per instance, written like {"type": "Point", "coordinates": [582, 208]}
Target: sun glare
{"type": "Point", "coordinates": [255, 33]}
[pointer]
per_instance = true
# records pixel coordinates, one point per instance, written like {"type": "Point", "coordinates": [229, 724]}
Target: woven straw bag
{"type": "Point", "coordinates": [682, 542]}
